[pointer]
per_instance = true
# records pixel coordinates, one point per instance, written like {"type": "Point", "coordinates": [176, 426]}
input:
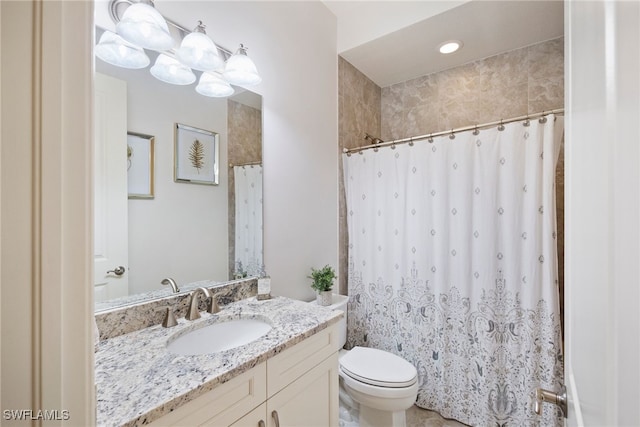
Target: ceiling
{"type": "Point", "coordinates": [396, 41]}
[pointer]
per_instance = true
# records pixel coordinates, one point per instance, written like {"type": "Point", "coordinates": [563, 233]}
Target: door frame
{"type": "Point", "coordinates": [46, 254]}
{"type": "Point", "coordinates": [602, 199]}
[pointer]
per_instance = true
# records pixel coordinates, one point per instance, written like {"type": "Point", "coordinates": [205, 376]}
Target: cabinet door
{"type": "Point", "coordinates": [291, 364]}
{"type": "Point", "coordinates": [311, 400]}
{"type": "Point", "coordinates": [255, 418]}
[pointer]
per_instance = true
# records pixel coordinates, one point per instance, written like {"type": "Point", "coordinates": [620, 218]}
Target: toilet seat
{"type": "Point", "coordinates": [378, 368]}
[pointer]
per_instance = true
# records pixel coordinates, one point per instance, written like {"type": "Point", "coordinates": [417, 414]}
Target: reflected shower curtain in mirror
{"type": "Point", "coordinates": [248, 245]}
{"type": "Point", "coordinates": [453, 266]}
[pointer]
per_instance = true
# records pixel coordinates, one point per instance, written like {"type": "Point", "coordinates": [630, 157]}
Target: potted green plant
{"type": "Point", "coordinates": [322, 283]}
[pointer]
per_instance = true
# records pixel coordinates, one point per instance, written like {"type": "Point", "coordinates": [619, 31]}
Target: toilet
{"type": "Point", "coordinates": [379, 384]}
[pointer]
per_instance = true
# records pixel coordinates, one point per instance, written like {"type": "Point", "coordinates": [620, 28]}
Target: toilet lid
{"type": "Point", "coordinates": [378, 367]}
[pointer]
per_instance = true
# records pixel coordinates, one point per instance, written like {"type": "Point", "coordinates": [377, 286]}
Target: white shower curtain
{"type": "Point", "coordinates": [248, 249]}
{"type": "Point", "coordinates": [453, 266]}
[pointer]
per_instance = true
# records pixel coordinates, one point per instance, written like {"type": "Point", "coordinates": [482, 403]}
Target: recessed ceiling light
{"type": "Point", "coordinates": [449, 46]}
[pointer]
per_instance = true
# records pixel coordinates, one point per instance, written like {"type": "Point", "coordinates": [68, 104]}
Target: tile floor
{"type": "Point", "coordinates": [418, 417]}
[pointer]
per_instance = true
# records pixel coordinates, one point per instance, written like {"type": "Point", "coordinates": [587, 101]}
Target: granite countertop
{"type": "Point", "coordinates": [138, 380]}
{"type": "Point", "coordinates": [164, 291]}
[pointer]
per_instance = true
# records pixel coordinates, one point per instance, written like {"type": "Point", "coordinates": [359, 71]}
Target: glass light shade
{"type": "Point", "coordinates": [211, 84]}
{"type": "Point", "coordinates": [115, 50]}
{"type": "Point", "coordinates": [143, 26]}
{"type": "Point", "coordinates": [199, 52]}
{"type": "Point", "coordinates": [240, 69]}
{"type": "Point", "coordinates": [170, 70]}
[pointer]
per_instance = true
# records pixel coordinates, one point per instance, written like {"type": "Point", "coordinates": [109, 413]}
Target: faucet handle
{"type": "Point", "coordinates": [169, 318]}
{"type": "Point", "coordinates": [213, 307]}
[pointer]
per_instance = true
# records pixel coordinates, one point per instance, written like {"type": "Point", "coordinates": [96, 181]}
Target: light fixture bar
{"type": "Point", "coordinates": [117, 8]}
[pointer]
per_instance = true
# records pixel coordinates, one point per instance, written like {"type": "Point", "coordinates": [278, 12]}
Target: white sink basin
{"type": "Point", "coordinates": [219, 337]}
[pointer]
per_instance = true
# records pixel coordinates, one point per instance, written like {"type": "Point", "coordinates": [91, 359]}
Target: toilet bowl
{"type": "Point", "coordinates": [379, 384]}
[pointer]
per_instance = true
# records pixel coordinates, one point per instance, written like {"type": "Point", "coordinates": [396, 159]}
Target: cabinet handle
{"type": "Point", "coordinates": [261, 424]}
{"type": "Point", "coordinates": [274, 415]}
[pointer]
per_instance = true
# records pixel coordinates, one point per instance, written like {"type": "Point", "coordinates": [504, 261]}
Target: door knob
{"type": "Point", "coordinates": [118, 271]}
{"type": "Point", "coordinates": [559, 399]}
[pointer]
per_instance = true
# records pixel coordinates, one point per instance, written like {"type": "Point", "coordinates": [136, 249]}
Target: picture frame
{"type": "Point", "coordinates": [140, 165]}
{"type": "Point", "coordinates": [196, 155]}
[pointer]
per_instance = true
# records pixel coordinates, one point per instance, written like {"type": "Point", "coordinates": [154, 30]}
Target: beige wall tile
{"type": "Point", "coordinates": [546, 95]}
{"type": "Point", "coordinates": [546, 60]}
{"type": "Point", "coordinates": [510, 84]}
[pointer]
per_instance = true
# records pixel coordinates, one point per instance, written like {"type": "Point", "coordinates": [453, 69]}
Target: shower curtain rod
{"type": "Point", "coordinates": [412, 139]}
{"type": "Point", "coordinates": [259, 162]}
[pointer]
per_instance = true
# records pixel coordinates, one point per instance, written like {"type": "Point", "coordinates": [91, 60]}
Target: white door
{"type": "Point", "coordinates": [110, 185]}
{"type": "Point", "coordinates": [602, 213]}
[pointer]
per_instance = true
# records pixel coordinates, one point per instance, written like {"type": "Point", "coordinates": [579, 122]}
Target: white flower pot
{"type": "Point", "coordinates": [324, 298]}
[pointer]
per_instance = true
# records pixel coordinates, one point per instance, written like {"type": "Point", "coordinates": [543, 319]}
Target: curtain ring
{"type": "Point", "coordinates": [430, 139]}
{"type": "Point", "coordinates": [375, 149]}
{"type": "Point", "coordinates": [411, 142]}
{"type": "Point", "coordinates": [542, 118]}
{"type": "Point", "coordinates": [476, 131]}
{"type": "Point", "coordinates": [501, 127]}
{"type": "Point", "coordinates": [393, 146]}
{"type": "Point", "coordinates": [526, 122]}
{"type": "Point", "coordinates": [361, 152]}
{"type": "Point", "coordinates": [452, 136]}
{"type": "Point", "coordinates": [348, 154]}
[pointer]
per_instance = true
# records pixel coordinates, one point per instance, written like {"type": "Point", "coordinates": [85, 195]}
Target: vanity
{"type": "Point", "coordinates": [286, 377]}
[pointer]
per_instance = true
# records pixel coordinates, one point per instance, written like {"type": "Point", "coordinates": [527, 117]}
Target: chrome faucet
{"type": "Point", "coordinates": [193, 313]}
{"type": "Point", "coordinates": [174, 285]}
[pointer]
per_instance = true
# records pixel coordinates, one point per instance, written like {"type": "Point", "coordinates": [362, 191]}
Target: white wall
{"type": "Point", "coordinates": [181, 232]}
{"type": "Point", "coordinates": [294, 47]}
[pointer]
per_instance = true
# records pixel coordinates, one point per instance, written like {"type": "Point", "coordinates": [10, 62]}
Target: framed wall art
{"type": "Point", "coordinates": [140, 163]}
{"type": "Point", "coordinates": [196, 155]}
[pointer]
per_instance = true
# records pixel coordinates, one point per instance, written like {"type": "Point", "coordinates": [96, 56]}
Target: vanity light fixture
{"type": "Point", "coordinates": [240, 69]}
{"type": "Point", "coordinates": [198, 51]}
{"type": "Point", "coordinates": [213, 85]}
{"type": "Point", "coordinates": [115, 50]}
{"type": "Point", "coordinates": [170, 70]}
{"type": "Point", "coordinates": [144, 26]}
{"type": "Point", "coordinates": [450, 46]}
{"type": "Point", "coordinates": [140, 26]}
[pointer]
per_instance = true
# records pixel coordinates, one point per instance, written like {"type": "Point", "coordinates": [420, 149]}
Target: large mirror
{"type": "Point", "coordinates": [186, 231]}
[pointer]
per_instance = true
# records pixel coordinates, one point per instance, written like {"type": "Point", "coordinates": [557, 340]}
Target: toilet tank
{"type": "Point", "coordinates": [339, 302]}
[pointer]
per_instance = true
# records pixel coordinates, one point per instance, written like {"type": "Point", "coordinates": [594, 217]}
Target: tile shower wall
{"type": "Point", "coordinates": [511, 84]}
{"type": "Point", "coordinates": [244, 136]}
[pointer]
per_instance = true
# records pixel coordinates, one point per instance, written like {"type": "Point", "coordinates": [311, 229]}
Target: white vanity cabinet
{"type": "Point", "coordinates": [298, 387]}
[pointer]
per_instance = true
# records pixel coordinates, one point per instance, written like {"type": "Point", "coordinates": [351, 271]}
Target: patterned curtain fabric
{"type": "Point", "coordinates": [248, 187]}
{"type": "Point", "coordinates": [453, 266]}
